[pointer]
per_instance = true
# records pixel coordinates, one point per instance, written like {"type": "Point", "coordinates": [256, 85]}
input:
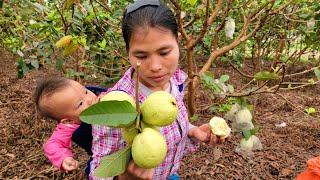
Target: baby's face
{"type": "Point", "coordinates": [71, 101]}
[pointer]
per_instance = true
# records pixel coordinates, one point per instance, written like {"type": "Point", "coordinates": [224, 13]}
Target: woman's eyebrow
{"type": "Point", "coordinates": [139, 52]}
{"type": "Point", "coordinates": [165, 47]}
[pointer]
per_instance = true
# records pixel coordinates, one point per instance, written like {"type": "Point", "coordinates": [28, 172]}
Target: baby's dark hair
{"type": "Point", "coordinates": [148, 16]}
{"type": "Point", "coordinates": [45, 88]}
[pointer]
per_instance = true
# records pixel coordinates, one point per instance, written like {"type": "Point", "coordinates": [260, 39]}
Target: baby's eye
{"type": "Point", "coordinates": [80, 104]}
{"type": "Point", "coordinates": [86, 91]}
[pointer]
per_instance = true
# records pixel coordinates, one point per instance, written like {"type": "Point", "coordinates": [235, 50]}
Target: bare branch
{"type": "Point", "coordinates": [189, 23]}
{"type": "Point", "coordinates": [65, 24]}
{"type": "Point", "coordinates": [224, 15]}
{"type": "Point", "coordinates": [303, 72]}
{"type": "Point", "coordinates": [243, 74]}
{"type": "Point", "coordinates": [281, 8]}
{"type": "Point", "coordinates": [104, 6]}
{"type": "Point", "coordinates": [180, 23]}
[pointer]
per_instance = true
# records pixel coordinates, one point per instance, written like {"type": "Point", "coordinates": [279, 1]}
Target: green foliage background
{"type": "Point", "coordinates": [31, 28]}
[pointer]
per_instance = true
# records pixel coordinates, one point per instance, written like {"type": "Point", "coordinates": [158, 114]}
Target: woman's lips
{"type": "Point", "coordinates": [158, 78]}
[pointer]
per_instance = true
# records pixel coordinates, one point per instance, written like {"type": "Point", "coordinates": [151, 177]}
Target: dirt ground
{"type": "Point", "coordinates": [284, 154]}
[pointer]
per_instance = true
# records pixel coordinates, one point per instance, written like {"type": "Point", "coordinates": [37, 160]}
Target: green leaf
{"type": "Point", "coordinates": [103, 44]}
{"type": "Point", "coordinates": [247, 134]}
{"type": "Point", "coordinates": [224, 78]}
{"type": "Point", "coordinates": [113, 164]}
{"type": "Point", "coordinates": [22, 68]}
{"type": "Point", "coordinates": [35, 63]}
{"type": "Point", "coordinates": [310, 110]}
{"type": "Point", "coordinates": [317, 73]}
{"type": "Point", "coordinates": [194, 118]}
{"type": "Point", "coordinates": [110, 113]}
{"type": "Point", "coordinates": [311, 81]}
{"type": "Point", "coordinates": [59, 64]}
{"type": "Point", "coordinates": [192, 2]}
{"type": "Point", "coordinates": [266, 75]}
{"type": "Point", "coordinates": [242, 101]}
{"type": "Point", "coordinates": [254, 131]}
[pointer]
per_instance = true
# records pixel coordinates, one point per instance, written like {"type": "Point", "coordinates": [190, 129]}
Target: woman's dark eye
{"type": "Point", "coordinates": [80, 104]}
{"type": "Point", "coordinates": [164, 53]}
{"type": "Point", "coordinates": [86, 91]}
{"type": "Point", "coordinates": [141, 57]}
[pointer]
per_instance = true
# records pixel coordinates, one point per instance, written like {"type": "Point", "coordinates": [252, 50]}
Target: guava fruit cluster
{"type": "Point", "coordinates": [240, 117]}
{"type": "Point", "coordinates": [149, 146]}
{"type": "Point", "coordinates": [219, 127]}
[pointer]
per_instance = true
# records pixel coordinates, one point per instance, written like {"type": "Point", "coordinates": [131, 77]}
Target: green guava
{"type": "Point", "coordinates": [128, 133]}
{"type": "Point", "coordinates": [146, 125]}
{"type": "Point", "coordinates": [149, 148]}
{"type": "Point", "coordinates": [118, 96]}
{"type": "Point", "coordinates": [246, 145]}
{"type": "Point", "coordinates": [219, 127]}
{"type": "Point", "coordinates": [159, 109]}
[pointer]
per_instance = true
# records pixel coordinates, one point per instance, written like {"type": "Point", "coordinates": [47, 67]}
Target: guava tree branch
{"type": "Point", "coordinates": [262, 88]}
{"type": "Point", "coordinates": [240, 72]}
{"type": "Point", "coordinates": [65, 24]}
{"type": "Point", "coordinates": [224, 16]}
{"type": "Point", "coordinates": [206, 23]}
{"type": "Point", "coordinates": [105, 7]}
{"type": "Point", "coordinates": [180, 21]}
{"type": "Point", "coordinates": [303, 72]}
{"type": "Point", "coordinates": [241, 37]}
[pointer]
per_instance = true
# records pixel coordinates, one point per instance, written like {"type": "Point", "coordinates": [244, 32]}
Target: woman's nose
{"type": "Point", "coordinates": [155, 64]}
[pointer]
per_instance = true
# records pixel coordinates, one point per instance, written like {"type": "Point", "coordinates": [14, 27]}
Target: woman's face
{"type": "Point", "coordinates": [158, 52]}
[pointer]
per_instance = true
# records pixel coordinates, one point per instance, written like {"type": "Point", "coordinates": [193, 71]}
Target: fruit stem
{"type": "Point", "coordinates": [137, 97]}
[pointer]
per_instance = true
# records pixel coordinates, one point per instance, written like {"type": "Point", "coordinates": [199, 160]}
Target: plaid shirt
{"type": "Point", "coordinates": [108, 140]}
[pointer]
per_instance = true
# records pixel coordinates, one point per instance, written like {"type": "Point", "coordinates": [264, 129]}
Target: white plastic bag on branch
{"type": "Point", "coordinates": [231, 114]}
{"type": "Point", "coordinates": [243, 120]}
{"type": "Point", "coordinates": [246, 147]}
{"type": "Point", "coordinates": [311, 23]}
{"type": "Point", "coordinates": [240, 117]}
{"type": "Point", "coordinates": [230, 27]}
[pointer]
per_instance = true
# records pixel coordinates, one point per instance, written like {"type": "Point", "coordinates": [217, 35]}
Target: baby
{"type": "Point", "coordinates": [63, 100]}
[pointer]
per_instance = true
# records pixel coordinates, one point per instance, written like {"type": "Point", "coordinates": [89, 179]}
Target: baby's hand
{"type": "Point", "coordinates": [70, 164]}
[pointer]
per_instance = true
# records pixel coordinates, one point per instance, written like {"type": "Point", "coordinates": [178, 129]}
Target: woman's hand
{"type": "Point", "coordinates": [203, 133]}
{"type": "Point", "coordinates": [135, 172]}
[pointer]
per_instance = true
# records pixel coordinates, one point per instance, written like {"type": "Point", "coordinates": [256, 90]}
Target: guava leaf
{"type": "Point", "coordinates": [35, 63]}
{"type": "Point", "coordinates": [254, 131]}
{"type": "Point", "coordinates": [266, 75]}
{"type": "Point", "coordinates": [246, 134]}
{"type": "Point", "coordinates": [317, 73]}
{"type": "Point", "coordinates": [192, 2]}
{"type": "Point", "coordinates": [110, 113]}
{"type": "Point", "coordinates": [113, 164]}
{"type": "Point", "coordinates": [224, 78]}
{"type": "Point", "coordinates": [310, 110]}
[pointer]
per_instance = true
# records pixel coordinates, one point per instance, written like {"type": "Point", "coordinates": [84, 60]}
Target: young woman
{"type": "Point", "coordinates": [150, 32]}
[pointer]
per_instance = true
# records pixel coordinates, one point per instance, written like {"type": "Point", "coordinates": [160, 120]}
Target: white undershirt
{"type": "Point", "coordinates": [173, 90]}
